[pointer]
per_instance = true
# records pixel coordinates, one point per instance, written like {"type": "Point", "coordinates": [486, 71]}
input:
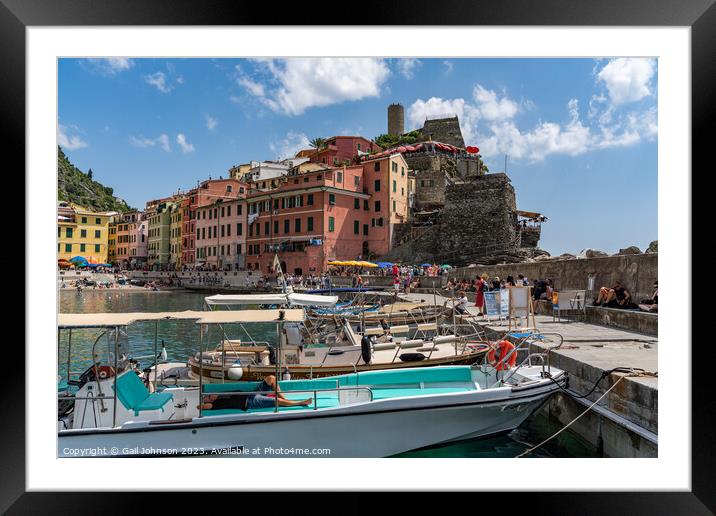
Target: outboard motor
{"type": "Point", "coordinates": [366, 349]}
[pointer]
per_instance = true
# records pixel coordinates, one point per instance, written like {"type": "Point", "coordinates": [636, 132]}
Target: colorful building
{"type": "Point", "coordinates": [206, 193]}
{"type": "Point", "coordinates": [81, 232]}
{"type": "Point", "coordinates": [386, 179]}
{"type": "Point", "coordinates": [138, 238]}
{"type": "Point", "coordinates": [221, 234]}
{"type": "Point", "coordinates": [342, 213]}
{"type": "Point", "coordinates": [343, 150]}
{"type": "Point", "coordinates": [112, 240]}
{"type": "Point", "coordinates": [176, 217]}
{"type": "Point", "coordinates": [158, 233]}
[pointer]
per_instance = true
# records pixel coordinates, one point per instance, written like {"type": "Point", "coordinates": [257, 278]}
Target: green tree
{"type": "Point", "coordinates": [89, 173]}
{"type": "Point", "coordinates": [318, 143]}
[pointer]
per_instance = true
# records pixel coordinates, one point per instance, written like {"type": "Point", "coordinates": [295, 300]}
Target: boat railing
{"type": "Point", "coordinates": [524, 345]}
{"type": "Point", "coordinates": [314, 391]}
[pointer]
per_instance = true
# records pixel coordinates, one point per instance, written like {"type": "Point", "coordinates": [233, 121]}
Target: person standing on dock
{"type": "Point", "coordinates": [480, 286]}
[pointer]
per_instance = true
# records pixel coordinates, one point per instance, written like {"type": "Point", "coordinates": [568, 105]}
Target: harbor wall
{"type": "Point", "coordinates": [426, 282]}
{"type": "Point", "coordinates": [624, 424]}
{"type": "Point", "coordinates": [637, 272]}
{"type": "Point", "coordinates": [242, 279]}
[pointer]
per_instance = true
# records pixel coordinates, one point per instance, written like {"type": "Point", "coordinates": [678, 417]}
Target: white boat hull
{"type": "Point", "coordinates": [376, 429]}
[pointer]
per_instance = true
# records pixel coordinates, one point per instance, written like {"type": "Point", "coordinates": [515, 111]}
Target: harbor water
{"type": "Point", "coordinates": [181, 339]}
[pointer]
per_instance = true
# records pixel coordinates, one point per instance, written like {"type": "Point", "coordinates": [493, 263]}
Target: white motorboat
{"type": "Point", "coordinates": [362, 414]}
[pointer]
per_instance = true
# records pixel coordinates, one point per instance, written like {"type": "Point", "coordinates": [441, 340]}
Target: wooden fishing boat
{"type": "Point", "coordinates": [374, 349]}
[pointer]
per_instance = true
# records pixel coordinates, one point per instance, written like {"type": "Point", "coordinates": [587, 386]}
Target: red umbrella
{"type": "Point", "coordinates": [401, 149]}
{"type": "Point", "coordinates": [409, 148]}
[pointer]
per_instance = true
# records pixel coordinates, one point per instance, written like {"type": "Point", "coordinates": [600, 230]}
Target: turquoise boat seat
{"type": "Point", "coordinates": [135, 396]}
{"type": "Point", "coordinates": [409, 376]}
{"type": "Point", "coordinates": [286, 386]}
{"type": "Point", "coordinates": [382, 394]}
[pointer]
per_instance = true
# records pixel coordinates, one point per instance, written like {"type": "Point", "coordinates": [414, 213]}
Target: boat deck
{"type": "Point", "coordinates": [330, 400]}
{"type": "Point", "coordinates": [382, 384]}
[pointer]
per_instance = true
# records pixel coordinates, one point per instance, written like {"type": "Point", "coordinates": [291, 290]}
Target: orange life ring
{"type": "Point", "coordinates": [104, 372]}
{"type": "Point", "coordinates": [505, 347]}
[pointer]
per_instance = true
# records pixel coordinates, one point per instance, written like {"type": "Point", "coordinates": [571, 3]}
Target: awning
{"type": "Point", "coordinates": [106, 320]}
{"type": "Point", "coordinates": [530, 214]}
{"type": "Point", "coordinates": [109, 320]}
{"type": "Point", "coordinates": [271, 299]}
{"type": "Point", "coordinates": [250, 316]}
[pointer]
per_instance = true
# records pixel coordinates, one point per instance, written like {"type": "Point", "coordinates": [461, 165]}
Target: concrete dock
{"type": "Point", "coordinates": [625, 422]}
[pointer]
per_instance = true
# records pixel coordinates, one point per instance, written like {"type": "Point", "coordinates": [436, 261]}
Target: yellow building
{"type": "Point", "coordinates": [81, 232]}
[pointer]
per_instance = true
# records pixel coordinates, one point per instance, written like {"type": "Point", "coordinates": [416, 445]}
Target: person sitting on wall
{"type": "Point", "coordinates": [615, 297]}
{"type": "Point", "coordinates": [651, 304]}
{"type": "Point", "coordinates": [461, 306]}
{"type": "Point", "coordinates": [252, 401]}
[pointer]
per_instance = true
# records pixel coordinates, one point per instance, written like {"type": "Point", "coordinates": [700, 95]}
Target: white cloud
{"type": "Point", "coordinates": [486, 105]}
{"type": "Point", "coordinates": [142, 142]}
{"type": "Point", "coordinates": [572, 138]}
{"type": "Point", "coordinates": [491, 107]}
{"type": "Point", "coordinates": [163, 141]}
{"type": "Point", "coordinates": [407, 66]}
{"type": "Point", "coordinates": [159, 81]}
{"type": "Point", "coordinates": [186, 147]}
{"type": "Point", "coordinates": [110, 65]}
{"type": "Point", "coordinates": [290, 145]}
{"type": "Point", "coordinates": [421, 109]}
{"type": "Point", "coordinates": [211, 122]}
{"type": "Point", "coordinates": [69, 141]}
{"type": "Point", "coordinates": [256, 89]}
{"type": "Point", "coordinates": [627, 79]}
{"type": "Point", "coordinates": [297, 84]}
{"type": "Point", "coordinates": [448, 66]}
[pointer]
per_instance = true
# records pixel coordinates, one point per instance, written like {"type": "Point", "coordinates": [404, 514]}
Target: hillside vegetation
{"type": "Point", "coordinates": [78, 187]}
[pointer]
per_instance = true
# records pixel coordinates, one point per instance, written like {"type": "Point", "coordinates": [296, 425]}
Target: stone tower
{"type": "Point", "coordinates": [396, 118]}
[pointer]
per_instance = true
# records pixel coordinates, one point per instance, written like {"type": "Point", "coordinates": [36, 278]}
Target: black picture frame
{"type": "Point", "coordinates": [700, 15]}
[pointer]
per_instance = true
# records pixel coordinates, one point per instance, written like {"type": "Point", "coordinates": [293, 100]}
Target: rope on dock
{"type": "Point", "coordinates": [590, 407]}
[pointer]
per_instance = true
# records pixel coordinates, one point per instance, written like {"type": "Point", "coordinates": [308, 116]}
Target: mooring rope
{"type": "Point", "coordinates": [530, 450]}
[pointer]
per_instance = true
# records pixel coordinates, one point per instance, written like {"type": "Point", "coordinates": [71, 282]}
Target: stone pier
{"type": "Point", "coordinates": [625, 422]}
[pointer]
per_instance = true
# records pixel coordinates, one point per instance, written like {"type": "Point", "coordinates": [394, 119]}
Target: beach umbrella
{"type": "Point", "coordinates": [446, 266]}
{"type": "Point", "coordinates": [79, 261]}
{"type": "Point", "coordinates": [367, 264]}
{"type": "Point", "coordinates": [384, 265]}
{"type": "Point", "coordinates": [425, 264]}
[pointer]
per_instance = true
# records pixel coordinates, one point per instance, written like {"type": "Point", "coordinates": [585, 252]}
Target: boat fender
{"type": "Point", "coordinates": [498, 362]}
{"type": "Point", "coordinates": [412, 357]}
{"type": "Point", "coordinates": [235, 372]}
{"type": "Point", "coordinates": [365, 349]}
{"type": "Point", "coordinates": [272, 356]}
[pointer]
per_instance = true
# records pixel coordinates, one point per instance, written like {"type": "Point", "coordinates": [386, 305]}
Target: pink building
{"type": "Point", "coordinates": [342, 213]}
{"type": "Point", "coordinates": [137, 239]}
{"type": "Point", "coordinates": [342, 150]}
{"type": "Point", "coordinates": [221, 234]}
{"type": "Point", "coordinates": [206, 193]}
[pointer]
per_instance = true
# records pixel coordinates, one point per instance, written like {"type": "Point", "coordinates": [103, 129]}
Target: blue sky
{"type": "Point", "coordinates": [580, 134]}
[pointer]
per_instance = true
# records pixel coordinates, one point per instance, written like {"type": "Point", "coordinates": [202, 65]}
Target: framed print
{"type": "Point", "coordinates": [274, 242]}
